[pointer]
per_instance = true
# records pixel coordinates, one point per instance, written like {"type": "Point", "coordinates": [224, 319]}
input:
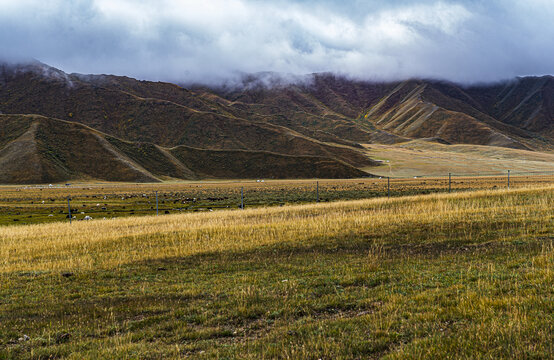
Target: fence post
{"type": "Point", "coordinates": [317, 191]}
{"type": "Point", "coordinates": [508, 179]}
{"type": "Point", "coordinates": [242, 198]}
{"type": "Point", "coordinates": [449, 182]}
{"type": "Point", "coordinates": [157, 211]}
{"type": "Point", "coordinates": [69, 209]}
{"type": "Point", "coordinates": [388, 186]}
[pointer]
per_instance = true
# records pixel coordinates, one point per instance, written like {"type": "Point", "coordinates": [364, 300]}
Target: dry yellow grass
{"type": "Point", "coordinates": [464, 275]}
{"type": "Point", "coordinates": [423, 158]}
{"type": "Point", "coordinates": [111, 243]}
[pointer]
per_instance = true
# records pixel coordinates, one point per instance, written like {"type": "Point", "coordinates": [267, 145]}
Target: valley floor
{"type": "Point", "coordinates": [466, 275]}
{"type": "Point", "coordinates": [423, 158]}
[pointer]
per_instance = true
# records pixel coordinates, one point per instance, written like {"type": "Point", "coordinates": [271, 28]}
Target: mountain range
{"type": "Point", "coordinates": [57, 127]}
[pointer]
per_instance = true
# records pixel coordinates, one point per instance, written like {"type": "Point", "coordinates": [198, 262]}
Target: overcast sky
{"type": "Point", "coordinates": [211, 40]}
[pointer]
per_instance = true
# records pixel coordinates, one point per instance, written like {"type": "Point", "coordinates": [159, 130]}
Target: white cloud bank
{"type": "Point", "coordinates": [213, 40]}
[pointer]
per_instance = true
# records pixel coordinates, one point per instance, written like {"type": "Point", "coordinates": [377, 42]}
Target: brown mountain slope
{"type": "Point", "coordinates": [43, 150]}
{"type": "Point", "coordinates": [53, 151]}
{"type": "Point", "coordinates": [322, 111]}
{"type": "Point", "coordinates": [20, 161]}
{"type": "Point", "coordinates": [321, 117]}
{"type": "Point", "coordinates": [257, 164]}
{"type": "Point", "coordinates": [117, 106]}
{"type": "Point", "coordinates": [415, 110]}
{"type": "Point", "coordinates": [325, 107]}
{"type": "Point", "coordinates": [527, 103]}
{"type": "Point", "coordinates": [340, 106]}
{"type": "Point", "coordinates": [457, 99]}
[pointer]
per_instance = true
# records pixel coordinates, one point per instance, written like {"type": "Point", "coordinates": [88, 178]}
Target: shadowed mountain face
{"type": "Point", "coordinates": [43, 150]}
{"type": "Point", "coordinates": [152, 130]}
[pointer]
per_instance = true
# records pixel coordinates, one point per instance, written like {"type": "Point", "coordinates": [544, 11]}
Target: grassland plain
{"type": "Point", "coordinates": [41, 204]}
{"type": "Point", "coordinates": [465, 275]}
{"type": "Point", "coordinates": [425, 158]}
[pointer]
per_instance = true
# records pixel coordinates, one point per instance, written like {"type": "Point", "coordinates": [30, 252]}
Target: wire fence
{"type": "Point", "coordinates": [76, 203]}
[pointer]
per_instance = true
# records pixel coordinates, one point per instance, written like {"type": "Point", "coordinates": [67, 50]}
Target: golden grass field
{"type": "Point", "coordinates": [112, 243]}
{"type": "Point", "coordinates": [464, 275]}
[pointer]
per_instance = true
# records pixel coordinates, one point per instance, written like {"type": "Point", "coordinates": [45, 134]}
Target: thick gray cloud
{"type": "Point", "coordinates": [213, 40]}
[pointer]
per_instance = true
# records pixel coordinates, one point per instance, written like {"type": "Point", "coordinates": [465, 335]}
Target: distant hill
{"type": "Point", "coordinates": [36, 149]}
{"type": "Point", "coordinates": [311, 128]}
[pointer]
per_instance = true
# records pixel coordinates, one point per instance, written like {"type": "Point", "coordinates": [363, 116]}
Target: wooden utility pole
{"type": "Point", "coordinates": [242, 197]}
{"type": "Point", "coordinates": [69, 209]}
{"type": "Point", "coordinates": [317, 191]}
